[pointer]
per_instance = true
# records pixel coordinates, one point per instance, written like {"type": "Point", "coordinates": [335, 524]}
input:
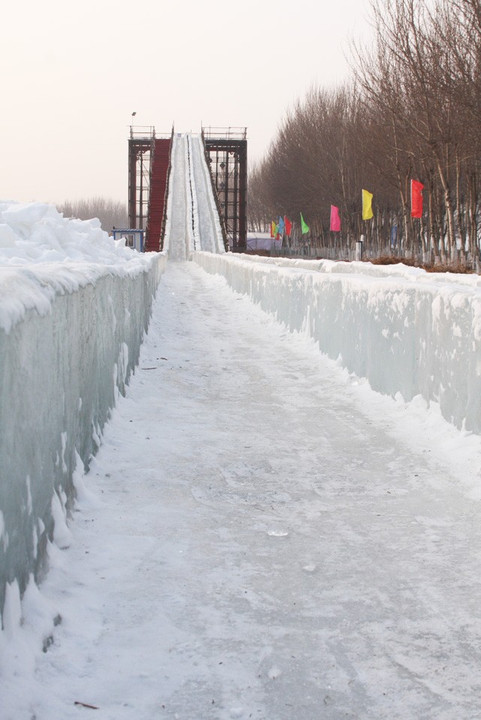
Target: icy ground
{"type": "Point", "coordinates": [259, 537]}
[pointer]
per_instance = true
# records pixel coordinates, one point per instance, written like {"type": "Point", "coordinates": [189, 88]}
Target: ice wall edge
{"type": "Point", "coordinates": [60, 374]}
{"type": "Point", "coordinates": [406, 331]}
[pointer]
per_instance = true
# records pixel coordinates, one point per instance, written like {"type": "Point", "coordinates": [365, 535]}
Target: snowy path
{"type": "Point", "coordinates": [257, 546]}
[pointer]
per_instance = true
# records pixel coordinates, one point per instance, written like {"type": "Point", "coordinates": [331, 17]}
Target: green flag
{"type": "Point", "coordinates": [304, 227]}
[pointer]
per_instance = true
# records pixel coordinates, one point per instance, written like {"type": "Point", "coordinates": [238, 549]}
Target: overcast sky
{"type": "Point", "coordinates": [73, 73]}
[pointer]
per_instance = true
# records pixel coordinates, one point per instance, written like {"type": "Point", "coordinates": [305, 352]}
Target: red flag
{"type": "Point", "coordinates": [335, 219]}
{"type": "Point", "coordinates": [416, 199]}
{"type": "Point", "coordinates": [288, 225]}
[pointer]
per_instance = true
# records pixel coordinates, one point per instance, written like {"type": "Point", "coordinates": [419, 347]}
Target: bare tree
{"type": "Point", "coordinates": [414, 114]}
{"type": "Point", "coordinates": [111, 213]}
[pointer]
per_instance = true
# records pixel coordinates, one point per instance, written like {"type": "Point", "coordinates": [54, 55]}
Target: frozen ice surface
{"type": "Point", "coordinates": [177, 601]}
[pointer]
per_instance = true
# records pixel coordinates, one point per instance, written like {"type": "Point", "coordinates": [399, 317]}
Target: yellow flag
{"type": "Point", "coordinates": [367, 213]}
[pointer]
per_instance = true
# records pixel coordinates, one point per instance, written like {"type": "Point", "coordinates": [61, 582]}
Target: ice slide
{"type": "Point", "coordinates": [192, 218]}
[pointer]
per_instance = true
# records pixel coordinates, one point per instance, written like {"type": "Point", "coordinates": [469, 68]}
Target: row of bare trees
{"type": "Point", "coordinates": [111, 213]}
{"type": "Point", "coordinates": [412, 111]}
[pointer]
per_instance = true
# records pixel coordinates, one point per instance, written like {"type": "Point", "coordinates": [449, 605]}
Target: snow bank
{"type": "Point", "coordinates": [408, 332]}
{"type": "Point", "coordinates": [43, 254]}
{"type": "Point", "coordinates": [74, 307]}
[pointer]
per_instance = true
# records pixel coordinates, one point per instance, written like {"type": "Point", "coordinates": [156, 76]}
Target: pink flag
{"type": "Point", "coordinates": [335, 219]}
{"type": "Point", "coordinates": [416, 199]}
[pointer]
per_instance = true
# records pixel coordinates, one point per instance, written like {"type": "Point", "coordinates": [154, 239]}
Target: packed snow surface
{"type": "Point", "coordinates": [260, 536]}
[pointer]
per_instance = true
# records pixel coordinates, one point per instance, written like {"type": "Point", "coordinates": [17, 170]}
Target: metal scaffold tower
{"type": "Point", "coordinates": [226, 150]}
{"type": "Point", "coordinates": [141, 144]}
{"type": "Point", "coordinates": [149, 168]}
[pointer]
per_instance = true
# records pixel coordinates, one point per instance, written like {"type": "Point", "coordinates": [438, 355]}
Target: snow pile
{"type": "Point", "coordinates": [410, 333]}
{"type": "Point", "coordinates": [42, 254]}
{"type": "Point", "coordinates": [74, 307]}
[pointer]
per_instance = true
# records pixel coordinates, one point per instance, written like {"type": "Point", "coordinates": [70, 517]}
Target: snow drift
{"type": "Point", "coordinates": [74, 307]}
{"type": "Point", "coordinates": [405, 330]}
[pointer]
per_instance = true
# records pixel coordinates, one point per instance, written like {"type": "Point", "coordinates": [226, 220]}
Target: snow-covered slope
{"type": "Point", "coordinates": [192, 218]}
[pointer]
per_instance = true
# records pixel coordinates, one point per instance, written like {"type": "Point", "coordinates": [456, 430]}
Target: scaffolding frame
{"type": "Point", "coordinates": [226, 152]}
{"type": "Point", "coordinates": [141, 143]}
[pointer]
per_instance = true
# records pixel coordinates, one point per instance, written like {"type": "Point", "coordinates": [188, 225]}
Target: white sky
{"type": "Point", "coordinates": [72, 74]}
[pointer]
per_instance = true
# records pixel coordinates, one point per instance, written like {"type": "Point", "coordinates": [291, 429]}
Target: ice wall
{"type": "Point", "coordinates": [60, 374]}
{"type": "Point", "coordinates": [405, 330]}
{"type": "Point", "coordinates": [74, 307]}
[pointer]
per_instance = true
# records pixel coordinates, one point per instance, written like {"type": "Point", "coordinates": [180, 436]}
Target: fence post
{"type": "Point", "coordinates": [359, 248]}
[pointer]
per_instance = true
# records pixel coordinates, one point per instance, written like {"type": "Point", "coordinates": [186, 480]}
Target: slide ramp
{"type": "Point", "coordinates": [192, 217]}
